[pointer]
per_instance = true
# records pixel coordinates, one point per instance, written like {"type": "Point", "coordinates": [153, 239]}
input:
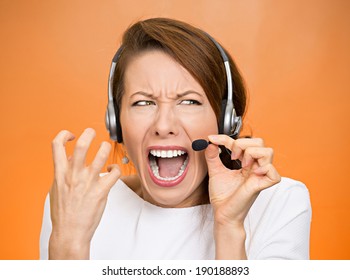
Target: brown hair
{"type": "Point", "coordinates": [194, 50]}
{"type": "Point", "coordinates": [191, 48]}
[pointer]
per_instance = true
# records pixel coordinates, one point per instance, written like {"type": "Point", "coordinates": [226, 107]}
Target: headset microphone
{"type": "Point", "coordinates": [200, 144]}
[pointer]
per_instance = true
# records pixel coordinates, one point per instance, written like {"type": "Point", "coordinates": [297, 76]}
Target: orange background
{"type": "Point", "coordinates": [294, 55]}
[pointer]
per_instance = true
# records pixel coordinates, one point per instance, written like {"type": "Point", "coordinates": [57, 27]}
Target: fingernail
{"type": "Point", "coordinates": [213, 138]}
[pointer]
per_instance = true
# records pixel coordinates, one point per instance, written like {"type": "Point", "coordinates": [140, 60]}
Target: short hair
{"type": "Point", "coordinates": [191, 48]}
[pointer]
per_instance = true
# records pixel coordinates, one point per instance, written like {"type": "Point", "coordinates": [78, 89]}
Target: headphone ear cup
{"type": "Point", "coordinates": [229, 123]}
{"type": "Point", "coordinates": [111, 121]}
{"type": "Point", "coordinates": [112, 113]}
{"type": "Point", "coordinates": [222, 116]}
{"type": "Point", "coordinates": [119, 133]}
{"type": "Point", "coordinates": [227, 118]}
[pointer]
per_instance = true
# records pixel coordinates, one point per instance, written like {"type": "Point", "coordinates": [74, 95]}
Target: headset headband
{"type": "Point", "coordinates": [231, 123]}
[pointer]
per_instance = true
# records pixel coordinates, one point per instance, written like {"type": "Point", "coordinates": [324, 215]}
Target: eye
{"type": "Point", "coordinates": [143, 103]}
{"type": "Point", "coordinates": [190, 102]}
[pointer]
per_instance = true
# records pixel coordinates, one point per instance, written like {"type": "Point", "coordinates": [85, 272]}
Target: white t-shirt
{"type": "Point", "coordinates": [277, 227]}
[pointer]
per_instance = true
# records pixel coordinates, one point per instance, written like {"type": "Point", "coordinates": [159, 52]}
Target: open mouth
{"type": "Point", "coordinates": [167, 165]}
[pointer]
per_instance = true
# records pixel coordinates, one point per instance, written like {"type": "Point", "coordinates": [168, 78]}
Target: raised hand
{"type": "Point", "coordinates": [232, 192]}
{"type": "Point", "coordinates": [78, 195]}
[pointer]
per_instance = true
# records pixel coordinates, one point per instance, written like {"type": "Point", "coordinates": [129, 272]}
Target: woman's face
{"type": "Point", "coordinates": [163, 110]}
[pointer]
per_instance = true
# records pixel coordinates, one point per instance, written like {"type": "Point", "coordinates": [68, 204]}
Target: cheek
{"type": "Point", "coordinates": [201, 125]}
{"type": "Point", "coordinates": [209, 124]}
{"type": "Point", "coordinates": [133, 135]}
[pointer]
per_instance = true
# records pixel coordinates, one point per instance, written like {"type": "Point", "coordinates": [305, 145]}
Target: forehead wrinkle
{"type": "Point", "coordinates": [172, 83]}
{"type": "Point", "coordinates": [176, 95]}
{"type": "Point", "coordinates": [175, 86]}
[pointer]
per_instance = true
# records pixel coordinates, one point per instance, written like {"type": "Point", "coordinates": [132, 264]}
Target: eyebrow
{"type": "Point", "coordinates": [150, 95]}
{"type": "Point", "coordinates": [188, 92]}
{"type": "Point", "coordinates": [142, 93]}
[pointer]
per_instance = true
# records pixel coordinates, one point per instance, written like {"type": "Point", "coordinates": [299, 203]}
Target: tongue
{"type": "Point", "coordinates": [170, 167]}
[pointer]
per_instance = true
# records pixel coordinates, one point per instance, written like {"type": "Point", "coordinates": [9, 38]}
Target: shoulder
{"type": "Point", "coordinates": [288, 183]}
{"type": "Point", "coordinates": [278, 223]}
{"type": "Point", "coordinates": [291, 183]}
{"type": "Point", "coordinates": [290, 197]}
{"type": "Point", "coordinates": [286, 188]}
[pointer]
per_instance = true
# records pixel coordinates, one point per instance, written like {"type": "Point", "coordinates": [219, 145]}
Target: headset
{"type": "Point", "coordinates": [229, 124]}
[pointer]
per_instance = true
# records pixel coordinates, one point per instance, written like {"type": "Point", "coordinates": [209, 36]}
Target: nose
{"type": "Point", "coordinates": [166, 123]}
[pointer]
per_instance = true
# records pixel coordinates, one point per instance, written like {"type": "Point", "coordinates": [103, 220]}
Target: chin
{"type": "Point", "coordinates": [171, 176]}
{"type": "Point", "coordinates": [188, 192]}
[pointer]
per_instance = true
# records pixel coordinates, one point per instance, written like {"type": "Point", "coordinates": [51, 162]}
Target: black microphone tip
{"type": "Point", "coordinates": [199, 144]}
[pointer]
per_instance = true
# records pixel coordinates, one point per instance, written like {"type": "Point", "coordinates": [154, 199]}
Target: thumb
{"type": "Point", "coordinates": [214, 163]}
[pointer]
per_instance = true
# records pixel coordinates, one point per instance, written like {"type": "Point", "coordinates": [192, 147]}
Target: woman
{"type": "Point", "coordinates": [168, 87]}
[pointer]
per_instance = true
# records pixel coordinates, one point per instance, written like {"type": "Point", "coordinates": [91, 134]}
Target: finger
{"type": "Point", "coordinates": [240, 145]}
{"type": "Point", "coordinates": [261, 155]}
{"type": "Point", "coordinates": [271, 175]}
{"type": "Point", "coordinates": [59, 151]}
{"type": "Point", "coordinates": [100, 158]}
{"type": "Point", "coordinates": [236, 146]}
{"type": "Point", "coordinates": [221, 139]}
{"type": "Point", "coordinates": [112, 176]}
{"type": "Point", "coordinates": [81, 148]}
{"type": "Point", "coordinates": [214, 163]}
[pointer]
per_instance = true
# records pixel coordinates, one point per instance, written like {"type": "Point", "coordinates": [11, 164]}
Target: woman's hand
{"type": "Point", "coordinates": [232, 192]}
{"type": "Point", "coordinates": [78, 195]}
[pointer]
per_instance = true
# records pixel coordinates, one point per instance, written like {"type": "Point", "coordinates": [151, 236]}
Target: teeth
{"type": "Point", "coordinates": [167, 154]}
{"type": "Point", "coordinates": [155, 169]}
